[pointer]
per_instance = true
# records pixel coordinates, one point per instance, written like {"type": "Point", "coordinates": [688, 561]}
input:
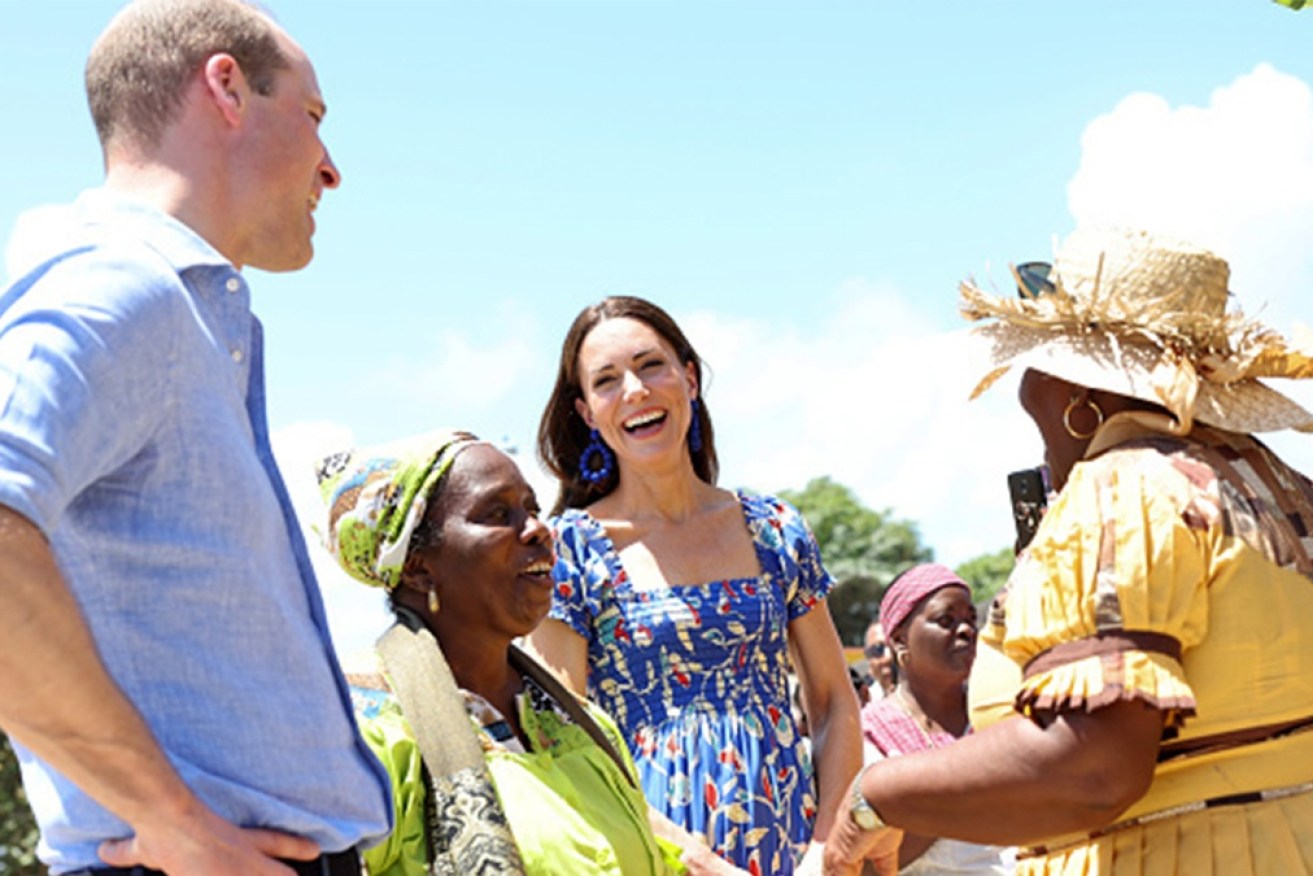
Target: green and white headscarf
{"type": "Point", "coordinates": [375, 497]}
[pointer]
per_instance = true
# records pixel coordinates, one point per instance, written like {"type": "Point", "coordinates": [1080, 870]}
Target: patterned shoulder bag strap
{"type": "Point", "coordinates": [546, 680]}
{"type": "Point", "coordinates": [449, 750]}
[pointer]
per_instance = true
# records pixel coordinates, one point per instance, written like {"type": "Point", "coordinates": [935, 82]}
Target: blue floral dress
{"type": "Point", "coordinates": [696, 678]}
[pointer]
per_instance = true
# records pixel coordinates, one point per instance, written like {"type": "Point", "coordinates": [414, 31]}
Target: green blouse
{"type": "Point", "coordinates": [569, 806]}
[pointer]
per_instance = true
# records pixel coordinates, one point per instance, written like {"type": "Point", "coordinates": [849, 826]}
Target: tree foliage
{"type": "Point", "coordinates": [864, 549]}
{"type": "Point", "coordinates": [987, 573]}
{"type": "Point", "coordinates": [18, 832]}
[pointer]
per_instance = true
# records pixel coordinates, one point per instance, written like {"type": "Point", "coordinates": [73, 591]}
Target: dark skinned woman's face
{"type": "Point", "coordinates": [940, 636]}
{"type": "Point", "coordinates": [492, 564]}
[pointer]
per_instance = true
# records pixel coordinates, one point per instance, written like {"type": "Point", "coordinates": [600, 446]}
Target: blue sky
{"type": "Point", "coordinates": [803, 184]}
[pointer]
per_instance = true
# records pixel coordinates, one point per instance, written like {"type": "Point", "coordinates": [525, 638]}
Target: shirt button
{"type": "Point", "coordinates": [234, 284]}
{"type": "Point", "coordinates": [238, 356]}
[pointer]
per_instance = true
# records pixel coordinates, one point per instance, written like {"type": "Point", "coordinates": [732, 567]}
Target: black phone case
{"type": "Point", "coordinates": [1026, 489]}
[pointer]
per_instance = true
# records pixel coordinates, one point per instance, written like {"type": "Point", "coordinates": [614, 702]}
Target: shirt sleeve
{"type": "Point", "coordinates": [84, 360]}
{"type": "Point", "coordinates": [570, 595]}
{"type": "Point", "coordinates": [1112, 591]}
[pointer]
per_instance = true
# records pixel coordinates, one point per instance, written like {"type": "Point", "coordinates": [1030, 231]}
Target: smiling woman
{"type": "Point", "coordinates": [682, 607]}
{"type": "Point", "coordinates": [495, 766]}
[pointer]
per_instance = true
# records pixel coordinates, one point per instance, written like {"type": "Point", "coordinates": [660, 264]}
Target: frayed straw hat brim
{"type": "Point", "coordinates": [1145, 317]}
{"type": "Point", "coordinates": [1135, 368]}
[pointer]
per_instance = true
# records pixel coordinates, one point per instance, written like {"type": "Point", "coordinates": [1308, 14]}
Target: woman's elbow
{"type": "Point", "coordinates": [1110, 757]}
{"type": "Point", "coordinates": [838, 709]}
{"type": "Point", "coordinates": [1106, 793]}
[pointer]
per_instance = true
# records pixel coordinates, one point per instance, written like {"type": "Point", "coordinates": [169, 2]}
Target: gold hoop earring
{"type": "Point", "coordinates": [434, 604]}
{"type": "Point", "coordinates": [1071, 406]}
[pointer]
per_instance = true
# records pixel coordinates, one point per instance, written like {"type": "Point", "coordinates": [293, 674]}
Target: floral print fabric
{"type": "Point", "coordinates": [695, 676]}
{"type": "Point", "coordinates": [375, 498]}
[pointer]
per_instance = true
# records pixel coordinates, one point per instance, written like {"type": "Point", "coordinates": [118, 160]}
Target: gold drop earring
{"type": "Point", "coordinates": [434, 604]}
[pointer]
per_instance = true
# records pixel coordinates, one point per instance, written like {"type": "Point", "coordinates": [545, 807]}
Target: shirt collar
{"type": "Point", "coordinates": [173, 239]}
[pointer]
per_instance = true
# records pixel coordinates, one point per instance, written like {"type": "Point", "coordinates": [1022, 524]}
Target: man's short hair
{"type": "Point", "coordinates": [138, 71]}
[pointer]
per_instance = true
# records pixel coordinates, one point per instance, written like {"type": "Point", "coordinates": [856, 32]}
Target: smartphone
{"type": "Point", "coordinates": [1029, 491]}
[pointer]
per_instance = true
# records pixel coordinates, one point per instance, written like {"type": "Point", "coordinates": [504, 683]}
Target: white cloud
{"type": "Point", "coordinates": [877, 401]}
{"type": "Point", "coordinates": [877, 398]}
{"type": "Point", "coordinates": [458, 370]}
{"type": "Point", "coordinates": [356, 614]}
{"type": "Point", "coordinates": [1236, 175]}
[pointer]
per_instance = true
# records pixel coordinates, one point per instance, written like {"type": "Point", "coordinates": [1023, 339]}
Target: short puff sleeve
{"type": "Point", "coordinates": [788, 552]}
{"type": "Point", "coordinates": [579, 569]}
{"type": "Point", "coordinates": [1112, 591]}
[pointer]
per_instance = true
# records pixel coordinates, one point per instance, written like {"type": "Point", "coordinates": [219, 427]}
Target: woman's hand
{"type": "Point", "coordinates": [811, 863]}
{"type": "Point", "coordinates": [696, 856]}
{"type": "Point", "coordinates": [849, 846]}
{"type": "Point", "coordinates": [702, 861]}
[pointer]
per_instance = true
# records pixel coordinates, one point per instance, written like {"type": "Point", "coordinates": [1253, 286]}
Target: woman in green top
{"type": "Point", "coordinates": [450, 528]}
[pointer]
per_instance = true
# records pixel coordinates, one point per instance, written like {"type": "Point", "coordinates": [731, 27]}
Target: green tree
{"type": "Point", "coordinates": [864, 549]}
{"type": "Point", "coordinates": [987, 574]}
{"type": "Point", "coordinates": [18, 832]}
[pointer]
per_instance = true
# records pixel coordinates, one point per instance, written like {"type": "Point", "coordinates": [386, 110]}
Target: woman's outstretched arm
{"type": "Point", "coordinates": [1014, 783]}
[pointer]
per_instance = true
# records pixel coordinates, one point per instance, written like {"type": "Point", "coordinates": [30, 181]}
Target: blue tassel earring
{"type": "Point", "coordinates": [597, 460]}
{"type": "Point", "coordinates": [695, 430]}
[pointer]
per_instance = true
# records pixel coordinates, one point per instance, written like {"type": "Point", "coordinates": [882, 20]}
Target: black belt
{"type": "Point", "coordinates": [337, 864]}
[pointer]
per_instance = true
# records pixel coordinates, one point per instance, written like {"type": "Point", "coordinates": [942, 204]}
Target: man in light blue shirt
{"type": "Point", "coordinates": [165, 668]}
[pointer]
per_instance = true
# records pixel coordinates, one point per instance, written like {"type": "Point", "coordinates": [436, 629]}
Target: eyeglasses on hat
{"type": "Point", "coordinates": [1033, 279]}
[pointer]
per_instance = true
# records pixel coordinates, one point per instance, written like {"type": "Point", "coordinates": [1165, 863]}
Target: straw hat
{"type": "Point", "coordinates": [1143, 316]}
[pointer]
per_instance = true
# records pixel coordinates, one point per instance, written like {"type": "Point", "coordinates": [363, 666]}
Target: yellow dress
{"type": "Point", "coordinates": [1175, 571]}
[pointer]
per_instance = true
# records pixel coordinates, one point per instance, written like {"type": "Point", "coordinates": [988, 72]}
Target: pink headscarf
{"type": "Point", "coordinates": [910, 588]}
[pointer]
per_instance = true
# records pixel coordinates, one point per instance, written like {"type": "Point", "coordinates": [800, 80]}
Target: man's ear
{"type": "Point", "coordinates": [584, 414]}
{"type": "Point", "coordinates": [226, 86]}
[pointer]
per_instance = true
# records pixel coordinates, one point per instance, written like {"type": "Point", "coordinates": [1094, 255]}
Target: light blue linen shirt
{"type": "Point", "coordinates": [133, 434]}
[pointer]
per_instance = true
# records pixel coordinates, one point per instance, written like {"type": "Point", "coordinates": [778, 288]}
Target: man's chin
{"type": "Point", "coordinates": [283, 264]}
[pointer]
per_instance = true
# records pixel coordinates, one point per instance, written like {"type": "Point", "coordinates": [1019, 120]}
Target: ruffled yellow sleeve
{"type": "Point", "coordinates": [1113, 590]}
